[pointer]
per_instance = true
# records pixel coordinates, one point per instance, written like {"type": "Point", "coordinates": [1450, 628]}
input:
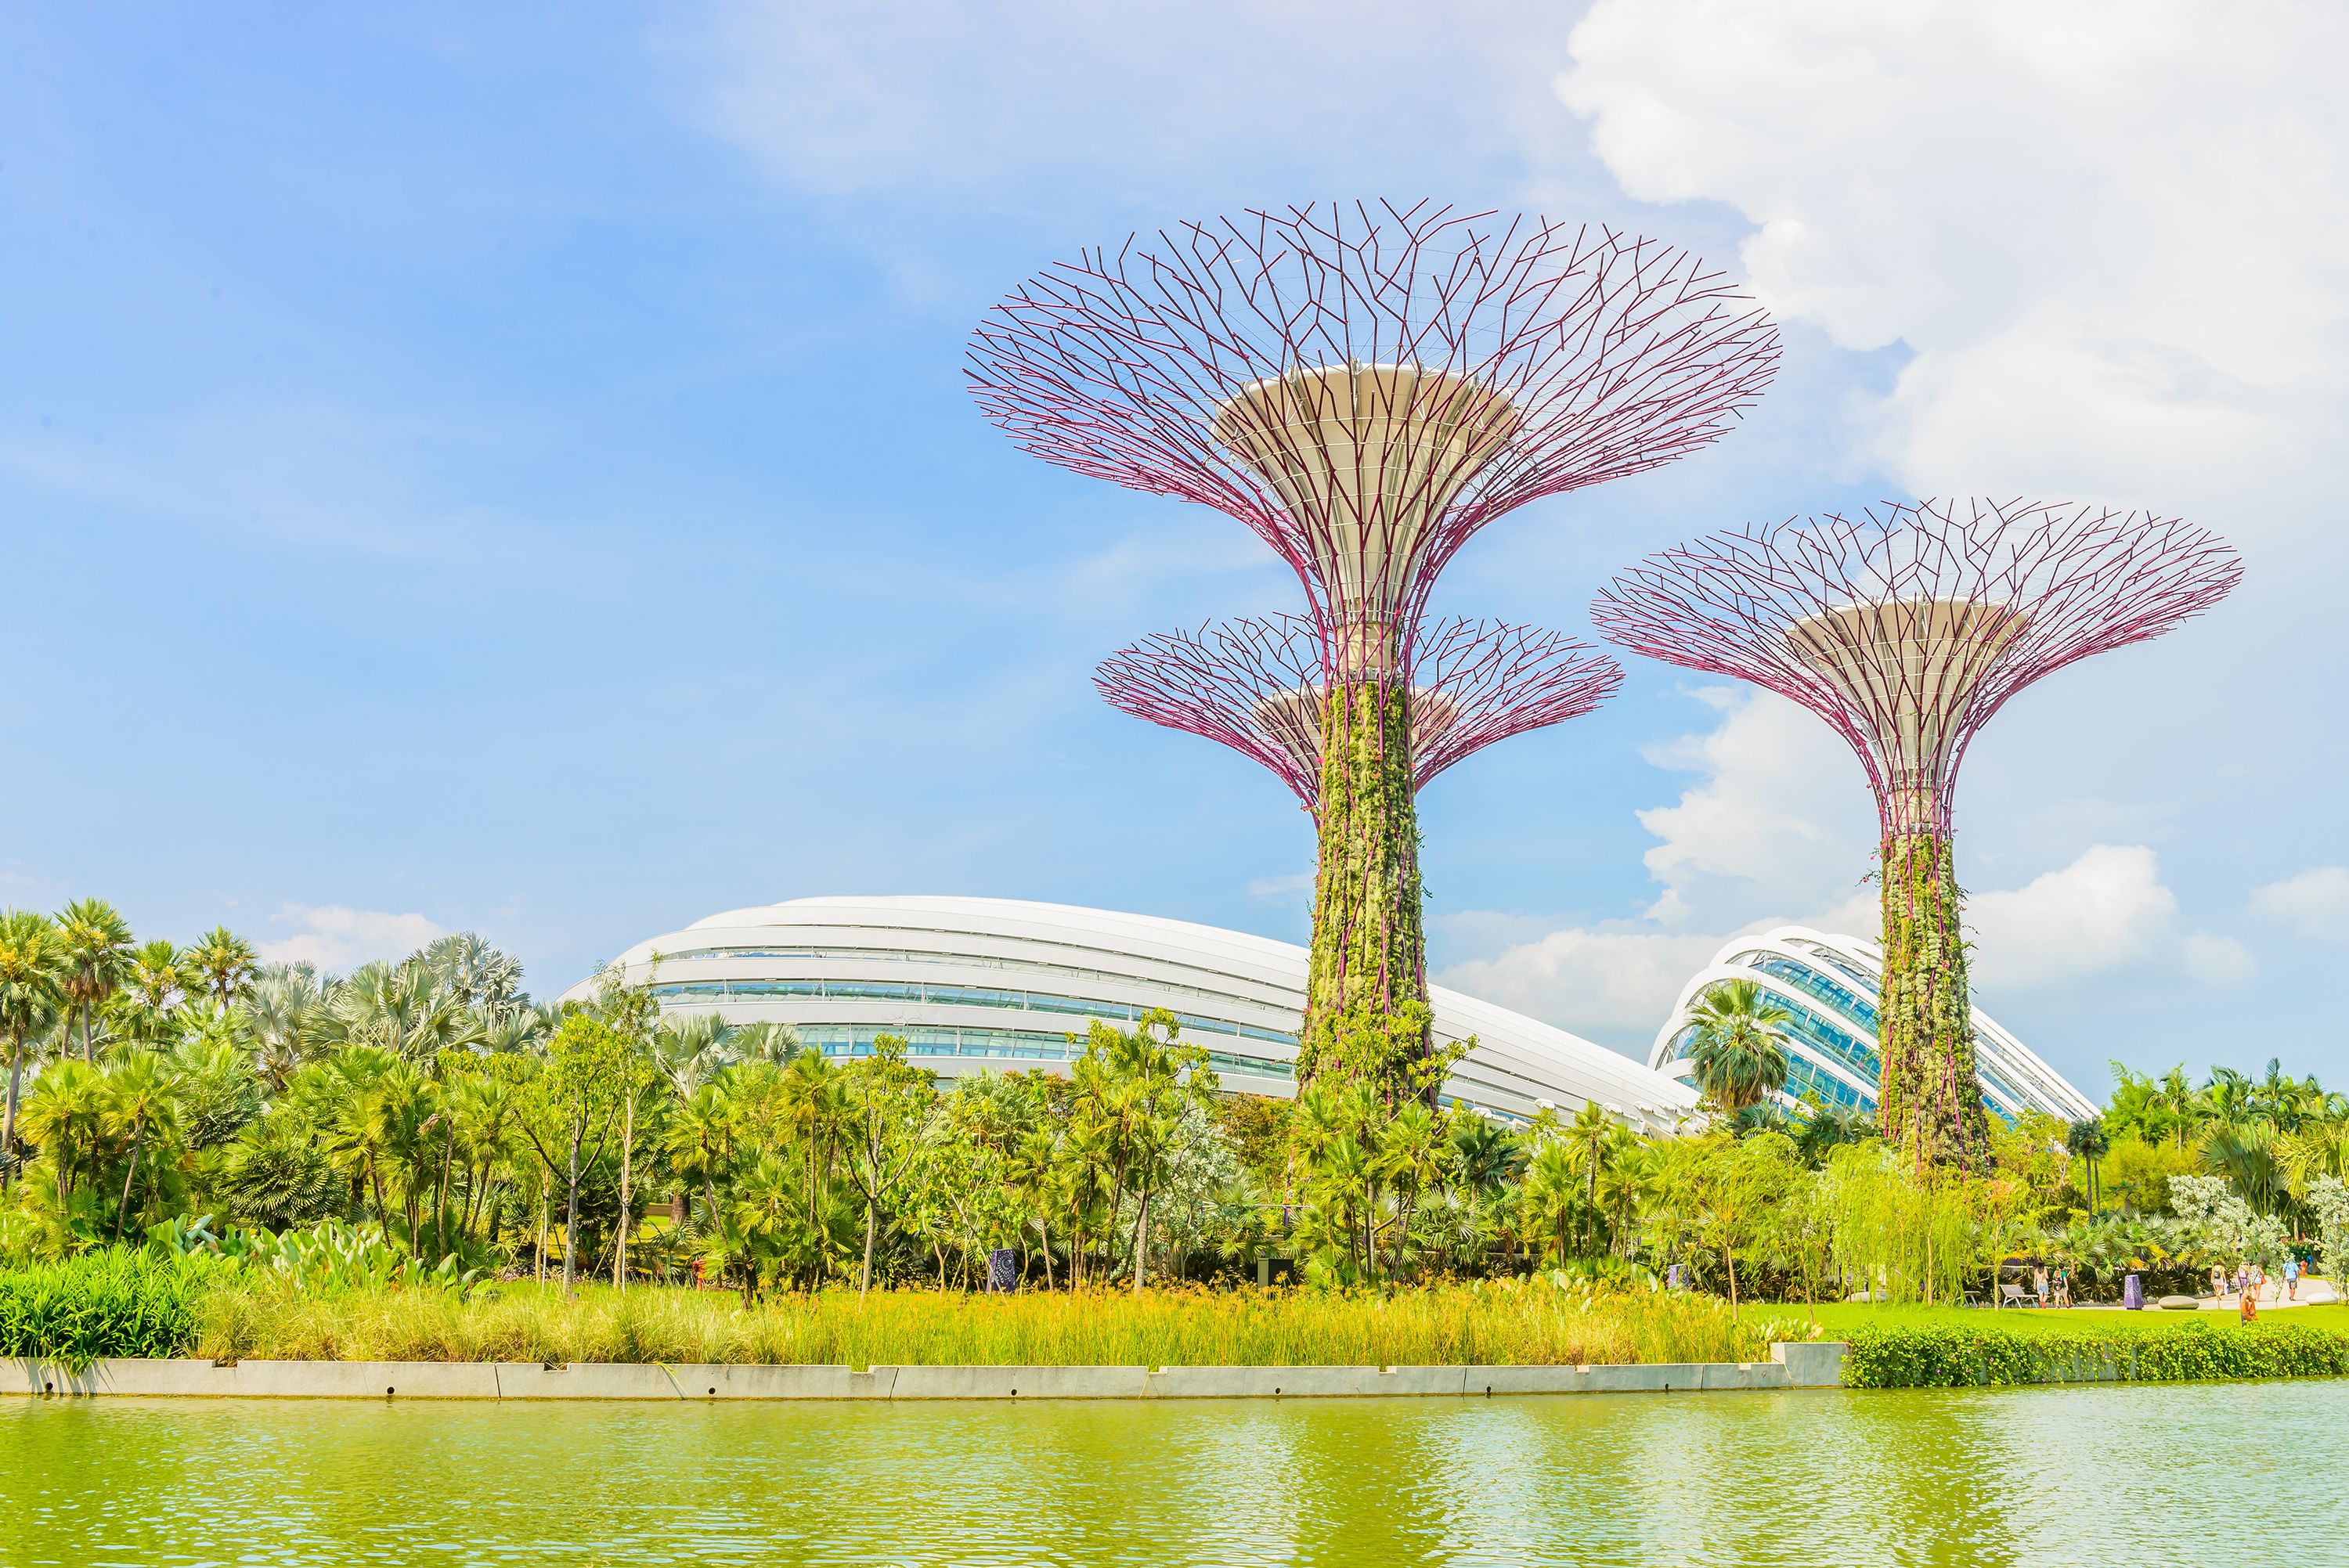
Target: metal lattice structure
{"type": "Point", "coordinates": [1365, 386]}
{"type": "Point", "coordinates": [1908, 628]}
{"type": "Point", "coordinates": [1259, 686]}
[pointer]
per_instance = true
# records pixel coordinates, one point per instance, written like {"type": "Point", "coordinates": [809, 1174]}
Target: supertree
{"type": "Point", "coordinates": [1365, 386]}
{"type": "Point", "coordinates": [1257, 686]}
{"type": "Point", "coordinates": [1905, 629]}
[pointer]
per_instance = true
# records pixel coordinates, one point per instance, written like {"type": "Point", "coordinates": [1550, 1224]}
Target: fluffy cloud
{"type": "Point", "coordinates": [2101, 229]}
{"type": "Point", "coordinates": [2315, 904]}
{"type": "Point", "coordinates": [336, 938]}
{"type": "Point", "coordinates": [1778, 818]}
{"type": "Point", "coordinates": [1613, 984]}
{"type": "Point", "coordinates": [2106, 913]}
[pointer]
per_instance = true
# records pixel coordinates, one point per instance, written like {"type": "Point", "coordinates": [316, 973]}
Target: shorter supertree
{"type": "Point", "coordinates": [1906, 629]}
{"type": "Point", "coordinates": [1257, 686]}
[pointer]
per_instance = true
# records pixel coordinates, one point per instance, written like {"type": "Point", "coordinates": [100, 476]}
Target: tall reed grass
{"type": "Point", "coordinates": [1511, 1322]}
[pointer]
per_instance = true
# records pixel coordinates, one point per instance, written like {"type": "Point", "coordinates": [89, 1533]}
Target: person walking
{"type": "Point", "coordinates": [2217, 1283]}
{"type": "Point", "coordinates": [2291, 1277]}
{"type": "Point", "coordinates": [2039, 1281]}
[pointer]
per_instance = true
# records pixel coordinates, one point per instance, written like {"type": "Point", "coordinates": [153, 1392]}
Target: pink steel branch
{"type": "Point", "coordinates": [1256, 685]}
{"type": "Point", "coordinates": [1366, 386]}
{"type": "Point", "coordinates": [1908, 628]}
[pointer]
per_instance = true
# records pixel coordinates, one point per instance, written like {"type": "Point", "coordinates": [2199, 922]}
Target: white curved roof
{"type": "Point", "coordinates": [978, 983]}
{"type": "Point", "coordinates": [1832, 980]}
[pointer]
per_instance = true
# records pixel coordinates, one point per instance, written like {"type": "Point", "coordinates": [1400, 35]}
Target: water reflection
{"type": "Point", "coordinates": [2044, 1476]}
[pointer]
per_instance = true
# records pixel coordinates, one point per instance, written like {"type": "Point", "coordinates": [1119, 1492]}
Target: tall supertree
{"type": "Point", "coordinates": [1905, 629]}
{"type": "Point", "coordinates": [1366, 386]}
{"type": "Point", "coordinates": [1257, 686]}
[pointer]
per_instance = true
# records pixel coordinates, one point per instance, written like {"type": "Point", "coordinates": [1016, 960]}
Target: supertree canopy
{"type": "Point", "coordinates": [1258, 687]}
{"type": "Point", "coordinates": [1365, 386]}
{"type": "Point", "coordinates": [1905, 629]}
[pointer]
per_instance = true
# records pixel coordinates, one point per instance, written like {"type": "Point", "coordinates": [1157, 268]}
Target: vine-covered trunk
{"type": "Point", "coordinates": [1369, 948]}
{"type": "Point", "coordinates": [1928, 1104]}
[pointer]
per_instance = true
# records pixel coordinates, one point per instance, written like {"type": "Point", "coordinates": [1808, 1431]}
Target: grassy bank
{"type": "Point", "coordinates": [126, 1305]}
{"type": "Point", "coordinates": [1531, 1324]}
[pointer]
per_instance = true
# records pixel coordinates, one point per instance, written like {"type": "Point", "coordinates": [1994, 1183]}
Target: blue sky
{"type": "Point", "coordinates": [510, 470]}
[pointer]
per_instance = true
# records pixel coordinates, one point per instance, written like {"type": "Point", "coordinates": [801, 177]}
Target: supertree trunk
{"type": "Point", "coordinates": [1366, 989]}
{"type": "Point", "coordinates": [1927, 1103]}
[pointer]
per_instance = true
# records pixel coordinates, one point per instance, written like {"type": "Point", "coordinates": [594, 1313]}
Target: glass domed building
{"type": "Point", "coordinates": [1827, 985]}
{"type": "Point", "coordinates": [989, 985]}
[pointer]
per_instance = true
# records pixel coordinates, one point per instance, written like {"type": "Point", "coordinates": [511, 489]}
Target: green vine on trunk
{"type": "Point", "coordinates": [1928, 1102]}
{"type": "Point", "coordinates": [1366, 1015]}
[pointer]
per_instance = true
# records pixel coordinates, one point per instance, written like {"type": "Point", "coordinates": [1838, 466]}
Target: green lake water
{"type": "Point", "coordinates": [2240, 1474]}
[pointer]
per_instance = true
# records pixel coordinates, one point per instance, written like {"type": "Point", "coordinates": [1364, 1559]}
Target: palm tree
{"type": "Point", "coordinates": [140, 1090]}
{"type": "Point", "coordinates": [32, 994]}
{"type": "Point", "coordinates": [1587, 1135]}
{"type": "Point", "coordinates": [1736, 1052]}
{"type": "Point", "coordinates": [225, 961]}
{"type": "Point", "coordinates": [2087, 1140]}
{"type": "Point", "coordinates": [98, 950]}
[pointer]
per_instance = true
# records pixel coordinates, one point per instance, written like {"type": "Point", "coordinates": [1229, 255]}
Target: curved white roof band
{"type": "Point", "coordinates": [2014, 1077]}
{"type": "Point", "coordinates": [980, 984]}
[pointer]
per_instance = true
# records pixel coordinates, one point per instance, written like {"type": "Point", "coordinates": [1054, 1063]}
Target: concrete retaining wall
{"type": "Point", "coordinates": [1812, 1366]}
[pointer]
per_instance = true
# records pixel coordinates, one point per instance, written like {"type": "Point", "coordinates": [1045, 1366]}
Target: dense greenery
{"type": "Point", "coordinates": [112, 1301]}
{"type": "Point", "coordinates": [424, 1123]}
{"type": "Point", "coordinates": [1946, 1355]}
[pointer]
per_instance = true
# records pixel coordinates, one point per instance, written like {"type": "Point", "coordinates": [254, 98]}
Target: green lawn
{"type": "Point", "coordinates": [1837, 1319]}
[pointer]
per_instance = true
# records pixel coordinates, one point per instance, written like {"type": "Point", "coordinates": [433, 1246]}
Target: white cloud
{"type": "Point", "coordinates": [2106, 913]}
{"type": "Point", "coordinates": [1612, 983]}
{"type": "Point", "coordinates": [2315, 903]}
{"type": "Point", "coordinates": [2104, 230]}
{"type": "Point", "coordinates": [338, 938]}
{"type": "Point", "coordinates": [1779, 820]}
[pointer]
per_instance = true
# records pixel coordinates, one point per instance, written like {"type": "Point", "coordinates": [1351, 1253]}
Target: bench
{"type": "Point", "coordinates": [2015, 1296]}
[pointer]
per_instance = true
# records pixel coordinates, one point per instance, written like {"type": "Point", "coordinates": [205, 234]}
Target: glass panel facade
{"type": "Point", "coordinates": [1841, 999]}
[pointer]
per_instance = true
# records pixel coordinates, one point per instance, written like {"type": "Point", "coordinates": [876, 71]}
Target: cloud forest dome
{"type": "Point", "coordinates": [1829, 986]}
{"type": "Point", "coordinates": [983, 985]}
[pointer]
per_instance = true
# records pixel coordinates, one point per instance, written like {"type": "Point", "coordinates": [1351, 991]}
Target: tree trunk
{"type": "Point", "coordinates": [1929, 1105]}
{"type": "Point", "coordinates": [1046, 1237]}
{"type": "Point", "coordinates": [872, 1221]}
{"type": "Point", "coordinates": [8, 1129]}
{"type": "Point", "coordinates": [628, 1160]}
{"type": "Point", "coordinates": [88, 1052]}
{"type": "Point", "coordinates": [122, 1216]}
{"type": "Point", "coordinates": [1140, 1240]}
{"type": "Point", "coordinates": [1369, 946]}
{"type": "Point", "coordinates": [541, 1232]}
{"type": "Point", "coordinates": [571, 1208]}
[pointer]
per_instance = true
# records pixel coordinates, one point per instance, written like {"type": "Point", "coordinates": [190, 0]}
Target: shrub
{"type": "Point", "coordinates": [117, 1302]}
{"type": "Point", "coordinates": [1946, 1357]}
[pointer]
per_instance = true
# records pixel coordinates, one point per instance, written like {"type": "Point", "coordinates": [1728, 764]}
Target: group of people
{"type": "Point", "coordinates": [2249, 1283]}
{"type": "Point", "coordinates": [2051, 1287]}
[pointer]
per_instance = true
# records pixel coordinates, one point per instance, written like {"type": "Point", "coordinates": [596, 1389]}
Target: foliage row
{"type": "Point", "coordinates": [1900, 1356]}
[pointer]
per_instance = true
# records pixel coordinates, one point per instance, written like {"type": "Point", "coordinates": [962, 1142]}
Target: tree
{"type": "Point", "coordinates": [32, 994]}
{"type": "Point", "coordinates": [574, 1108]}
{"type": "Point", "coordinates": [885, 1106]}
{"type": "Point", "coordinates": [1736, 1052]}
{"type": "Point", "coordinates": [140, 1088]}
{"type": "Point", "coordinates": [2085, 1140]}
{"type": "Point", "coordinates": [223, 961]}
{"type": "Point", "coordinates": [97, 952]}
{"type": "Point", "coordinates": [1587, 1135]}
